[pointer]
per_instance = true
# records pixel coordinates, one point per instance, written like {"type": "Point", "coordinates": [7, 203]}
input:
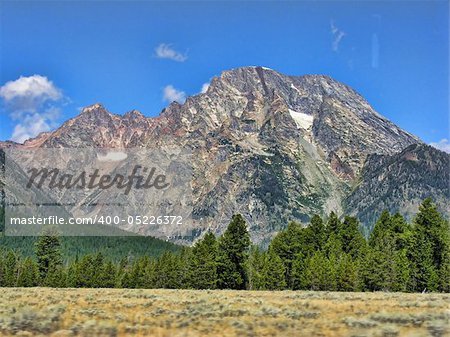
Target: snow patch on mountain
{"type": "Point", "coordinates": [295, 88]}
{"type": "Point", "coordinates": [302, 120]}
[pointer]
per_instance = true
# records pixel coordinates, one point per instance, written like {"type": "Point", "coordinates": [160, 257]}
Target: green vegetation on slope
{"type": "Point", "coordinates": [112, 247]}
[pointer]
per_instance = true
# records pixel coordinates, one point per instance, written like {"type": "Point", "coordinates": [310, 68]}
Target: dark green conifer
{"type": "Point", "coordinates": [255, 268]}
{"type": "Point", "coordinates": [233, 251]}
{"type": "Point", "coordinates": [48, 252]}
{"type": "Point", "coordinates": [428, 250]}
{"type": "Point", "coordinates": [28, 275]}
{"type": "Point", "coordinates": [273, 272]}
{"type": "Point", "coordinates": [203, 263]}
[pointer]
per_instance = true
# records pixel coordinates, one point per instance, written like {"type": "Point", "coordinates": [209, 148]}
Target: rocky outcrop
{"type": "Point", "coordinates": [399, 182]}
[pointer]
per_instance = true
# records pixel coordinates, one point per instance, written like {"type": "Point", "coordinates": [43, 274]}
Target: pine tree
{"type": "Point", "coordinates": [48, 252]}
{"type": "Point", "coordinates": [316, 233]}
{"type": "Point", "coordinates": [11, 269]}
{"type": "Point", "coordinates": [403, 270]}
{"type": "Point", "coordinates": [149, 275]}
{"type": "Point", "coordinates": [333, 247]}
{"type": "Point", "coordinates": [347, 276]}
{"type": "Point", "coordinates": [373, 270]}
{"type": "Point", "coordinates": [56, 277]}
{"type": "Point", "coordinates": [387, 265]}
{"type": "Point", "coordinates": [255, 268]}
{"type": "Point", "coordinates": [183, 270]}
{"type": "Point", "coordinates": [430, 242]}
{"type": "Point", "coordinates": [143, 265]}
{"type": "Point", "coordinates": [99, 262]}
{"type": "Point", "coordinates": [444, 272]}
{"type": "Point", "coordinates": [234, 245]}
{"type": "Point", "coordinates": [134, 275]}
{"type": "Point", "coordinates": [382, 227]}
{"type": "Point", "coordinates": [122, 270]}
{"type": "Point", "coordinates": [385, 268]}
{"type": "Point", "coordinates": [299, 272]}
{"type": "Point", "coordinates": [203, 263]}
{"type": "Point", "coordinates": [85, 272]}
{"type": "Point", "coordinates": [98, 266]}
{"type": "Point", "coordinates": [28, 273]}
{"type": "Point", "coordinates": [273, 272]}
{"type": "Point", "coordinates": [401, 231]}
{"type": "Point", "coordinates": [351, 238]}
{"type": "Point", "coordinates": [108, 279]}
{"type": "Point", "coordinates": [2, 270]}
{"type": "Point", "coordinates": [320, 274]}
{"type": "Point", "coordinates": [167, 270]}
{"type": "Point", "coordinates": [287, 244]}
{"type": "Point", "coordinates": [333, 224]}
{"type": "Point", "coordinates": [72, 274]}
{"type": "Point", "coordinates": [126, 280]}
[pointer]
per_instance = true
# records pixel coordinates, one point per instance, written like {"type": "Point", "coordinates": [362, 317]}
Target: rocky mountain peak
{"type": "Point", "coordinates": [38, 140]}
{"type": "Point", "coordinates": [93, 108]}
{"type": "Point", "coordinates": [94, 112]}
{"type": "Point", "coordinates": [133, 114]}
{"type": "Point", "coordinates": [272, 147]}
{"type": "Point", "coordinates": [323, 111]}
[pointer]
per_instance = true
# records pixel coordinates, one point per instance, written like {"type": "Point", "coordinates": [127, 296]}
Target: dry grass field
{"type": "Point", "coordinates": [185, 313]}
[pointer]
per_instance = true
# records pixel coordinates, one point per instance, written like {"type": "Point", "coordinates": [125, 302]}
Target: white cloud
{"type": "Point", "coordinates": [205, 87]}
{"type": "Point", "coordinates": [443, 145]}
{"type": "Point", "coordinates": [26, 93]}
{"type": "Point", "coordinates": [165, 51]}
{"type": "Point", "coordinates": [338, 35]}
{"type": "Point", "coordinates": [29, 127]}
{"type": "Point", "coordinates": [171, 94]}
{"type": "Point", "coordinates": [33, 102]}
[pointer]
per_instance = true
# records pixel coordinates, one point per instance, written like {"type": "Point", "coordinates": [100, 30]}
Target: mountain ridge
{"type": "Point", "coordinates": [270, 146]}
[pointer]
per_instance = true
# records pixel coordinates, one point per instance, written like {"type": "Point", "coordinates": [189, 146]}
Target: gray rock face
{"type": "Point", "coordinates": [272, 147]}
{"type": "Point", "coordinates": [97, 127]}
{"type": "Point", "coordinates": [399, 182]}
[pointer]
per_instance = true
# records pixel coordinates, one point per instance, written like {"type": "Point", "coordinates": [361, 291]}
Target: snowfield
{"type": "Point", "coordinates": [303, 121]}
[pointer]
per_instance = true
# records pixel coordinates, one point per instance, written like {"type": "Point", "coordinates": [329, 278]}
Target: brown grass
{"type": "Point", "coordinates": [186, 313]}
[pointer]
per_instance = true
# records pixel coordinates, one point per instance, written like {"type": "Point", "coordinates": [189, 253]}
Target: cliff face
{"type": "Point", "coordinates": [271, 147]}
{"type": "Point", "coordinates": [399, 182]}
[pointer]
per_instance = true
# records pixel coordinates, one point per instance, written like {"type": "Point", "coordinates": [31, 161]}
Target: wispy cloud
{"type": "Point", "coordinates": [375, 50]}
{"type": "Point", "coordinates": [170, 94]}
{"type": "Point", "coordinates": [337, 35]}
{"type": "Point", "coordinates": [34, 103]}
{"type": "Point", "coordinates": [30, 126]}
{"type": "Point", "coordinates": [165, 51]}
{"type": "Point", "coordinates": [205, 87]}
{"type": "Point", "coordinates": [443, 145]}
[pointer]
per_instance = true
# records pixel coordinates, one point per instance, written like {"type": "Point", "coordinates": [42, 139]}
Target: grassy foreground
{"type": "Point", "coordinates": [136, 312]}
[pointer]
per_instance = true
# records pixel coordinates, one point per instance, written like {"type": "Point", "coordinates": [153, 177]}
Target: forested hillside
{"type": "Point", "coordinates": [113, 247]}
{"type": "Point", "coordinates": [329, 254]}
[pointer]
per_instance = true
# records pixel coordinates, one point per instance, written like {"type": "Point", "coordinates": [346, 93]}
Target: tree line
{"type": "Point", "coordinates": [112, 247]}
{"type": "Point", "coordinates": [329, 254]}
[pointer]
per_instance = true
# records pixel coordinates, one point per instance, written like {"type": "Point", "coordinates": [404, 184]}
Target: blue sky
{"type": "Point", "coordinates": [394, 53]}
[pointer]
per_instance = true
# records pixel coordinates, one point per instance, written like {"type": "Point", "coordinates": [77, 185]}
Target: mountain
{"type": "Point", "coordinates": [399, 182]}
{"type": "Point", "coordinates": [274, 148]}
